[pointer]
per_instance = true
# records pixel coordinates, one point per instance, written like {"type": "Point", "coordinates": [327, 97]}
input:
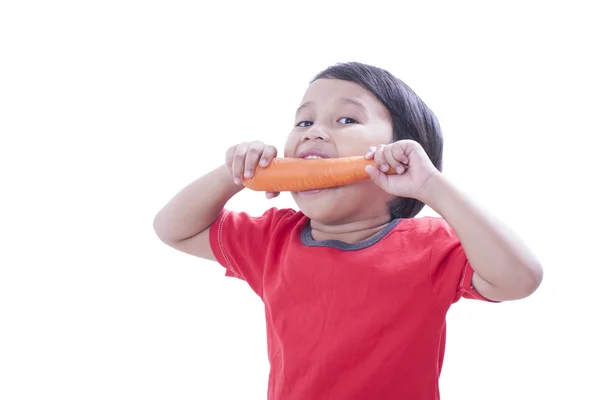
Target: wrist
{"type": "Point", "coordinates": [436, 191]}
{"type": "Point", "coordinates": [227, 185]}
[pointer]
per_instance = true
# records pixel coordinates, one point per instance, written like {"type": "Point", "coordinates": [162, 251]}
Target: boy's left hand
{"type": "Point", "coordinates": [413, 166]}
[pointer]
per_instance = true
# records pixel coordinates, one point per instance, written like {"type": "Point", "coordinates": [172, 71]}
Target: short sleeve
{"type": "Point", "coordinates": [450, 271]}
{"type": "Point", "coordinates": [240, 243]}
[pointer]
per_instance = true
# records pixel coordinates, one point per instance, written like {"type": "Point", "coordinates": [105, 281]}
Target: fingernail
{"type": "Point", "coordinates": [248, 174]}
{"type": "Point", "coordinates": [237, 181]}
{"type": "Point", "coordinates": [263, 163]}
{"type": "Point", "coordinates": [399, 170]}
{"type": "Point", "coordinates": [384, 168]}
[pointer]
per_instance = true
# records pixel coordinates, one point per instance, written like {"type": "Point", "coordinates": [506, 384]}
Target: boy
{"type": "Point", "coordinates": [356, 289]}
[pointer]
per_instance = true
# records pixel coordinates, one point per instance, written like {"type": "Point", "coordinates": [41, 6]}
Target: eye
{"type": "Point", "coordinates": [304, 124]}
{"type": "Point", "coordinates": [346, 120]}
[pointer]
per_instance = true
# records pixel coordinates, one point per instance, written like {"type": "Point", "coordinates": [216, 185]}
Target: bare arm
{"type": "Point", "coordinates": [505, 268]}
{"type": "Point", "coordinates": [184, 222]}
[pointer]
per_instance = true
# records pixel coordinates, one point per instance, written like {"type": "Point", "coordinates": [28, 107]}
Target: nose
{"type": "Point", "coordinates": [315, 133]}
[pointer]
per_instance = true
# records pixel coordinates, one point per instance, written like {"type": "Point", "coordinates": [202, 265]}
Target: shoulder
{"type": "Point", "coordinates": [242, 242]}
{"type": "Point", "coordinates": [425, 235]}
{"type": "Point", "coordinates": [427, 228]}
{"type": "Point", "coordinates": [269, 219]}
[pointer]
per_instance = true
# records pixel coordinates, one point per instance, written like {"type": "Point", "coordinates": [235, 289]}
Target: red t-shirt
{"type": "Point", "coordinates": [348, 321]}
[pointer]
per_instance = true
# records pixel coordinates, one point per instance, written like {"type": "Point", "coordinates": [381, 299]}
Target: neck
{"type": "Point", "coordinates": [349, 232]}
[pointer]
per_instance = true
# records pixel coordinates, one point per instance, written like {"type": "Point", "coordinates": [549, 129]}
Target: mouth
{"type": "Point", "coordinates": [313, 153]}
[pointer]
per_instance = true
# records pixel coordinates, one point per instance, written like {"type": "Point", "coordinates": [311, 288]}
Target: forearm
{"type": "Point", "coordinates": [496, 254]}
{"type": "Point", "coordinates": [196, 206]}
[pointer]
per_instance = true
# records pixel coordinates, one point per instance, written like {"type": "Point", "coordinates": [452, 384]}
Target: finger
{"type": "Point", "coordinates": [392, 159]}
{"type": "Point", "coordinates": [269, 153]}
{"type": "Point", "coordinates": [402, 168]}
{"type": "Point", "coordinates": [370, 152]}
{"type": "Point", "coordinates": [239, 159]}
{"type": "Point", "coordinates": [253, 153]}
{"type": "Point", "coordinates": [401, 154]}
{"type": "Point", "coordinates": [271, 195]}
{"type": "Point", "coordinates": [389, 157]}
{"type": "Point", "coordinates": [380, 160]}
{"type": "Point", "coordinates": [229, 158]}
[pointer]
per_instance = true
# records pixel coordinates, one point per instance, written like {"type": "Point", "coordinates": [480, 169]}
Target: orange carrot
{"type": "Point", "coordinates": [298, 174]}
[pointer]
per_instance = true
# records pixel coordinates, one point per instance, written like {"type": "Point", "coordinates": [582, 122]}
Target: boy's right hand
{"type": "Point", "coordinates": [242, 159]}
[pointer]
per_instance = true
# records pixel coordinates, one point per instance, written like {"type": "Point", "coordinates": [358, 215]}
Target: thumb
{"type": "Point", "coordinates": [380, 179]}
{"type": "Point", "coordinates": [270, 195]}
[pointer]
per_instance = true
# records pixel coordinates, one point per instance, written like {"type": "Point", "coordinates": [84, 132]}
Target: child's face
{"type": "Point", "coordinates": [340, 119]}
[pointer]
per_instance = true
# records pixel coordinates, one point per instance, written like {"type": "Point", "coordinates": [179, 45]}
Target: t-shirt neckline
{"type": "Point", "coordinates": [307, 239]}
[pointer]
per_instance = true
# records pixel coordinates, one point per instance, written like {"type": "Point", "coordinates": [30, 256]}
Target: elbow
{"type": "Point", "coordinates": [531, 279]}
{"type": "Point", "coordinates": [518, 284]}
{"type": "Point", "coordinates": [536, 276]}
{"type": "Point", "coordinates": [159, 229]}
{"type": "Point", "coordinates": [156, 225]}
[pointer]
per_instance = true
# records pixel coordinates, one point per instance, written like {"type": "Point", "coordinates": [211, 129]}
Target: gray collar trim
{"type": "Point", "coordinates": [308, 240]}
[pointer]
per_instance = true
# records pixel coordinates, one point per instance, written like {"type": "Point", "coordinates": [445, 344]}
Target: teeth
{"type": "Point", "coordinates": [312, 156]}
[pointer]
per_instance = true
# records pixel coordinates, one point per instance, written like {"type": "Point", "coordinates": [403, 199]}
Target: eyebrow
{"type": "Point", "coordinates": [341, 100]}
{"type": "Point", "coordinates": [308, 103]}
{"type": "Point", "coordinates": [353, 102]}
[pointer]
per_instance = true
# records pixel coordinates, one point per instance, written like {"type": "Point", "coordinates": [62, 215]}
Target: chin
{"type": "Point", "coordinates": [322, 205]}
{"type": "Point", "coordinates": [344, 203]}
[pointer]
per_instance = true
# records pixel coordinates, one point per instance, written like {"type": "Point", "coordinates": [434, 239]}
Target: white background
{"type": "Point", "coordinates": [107, 109]}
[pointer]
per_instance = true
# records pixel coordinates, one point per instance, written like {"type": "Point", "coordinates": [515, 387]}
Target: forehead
{"type": "Point", "coordinates": [325, 92]}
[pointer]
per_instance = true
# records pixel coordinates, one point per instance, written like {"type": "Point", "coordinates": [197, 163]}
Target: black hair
{"type": "Point", "coordinates": [411, 118]}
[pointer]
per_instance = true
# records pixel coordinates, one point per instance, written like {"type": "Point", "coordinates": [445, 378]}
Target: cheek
{"type": "Point", "coordinates": [383, 133]}
{"type": "Point", "coordinates": [373, 135]}
{"type": "Point", "coordinates": [290, 145]}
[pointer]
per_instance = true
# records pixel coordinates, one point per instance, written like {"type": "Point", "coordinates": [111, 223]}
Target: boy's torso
{"type": "Point", "coordinates": [352, 321]}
